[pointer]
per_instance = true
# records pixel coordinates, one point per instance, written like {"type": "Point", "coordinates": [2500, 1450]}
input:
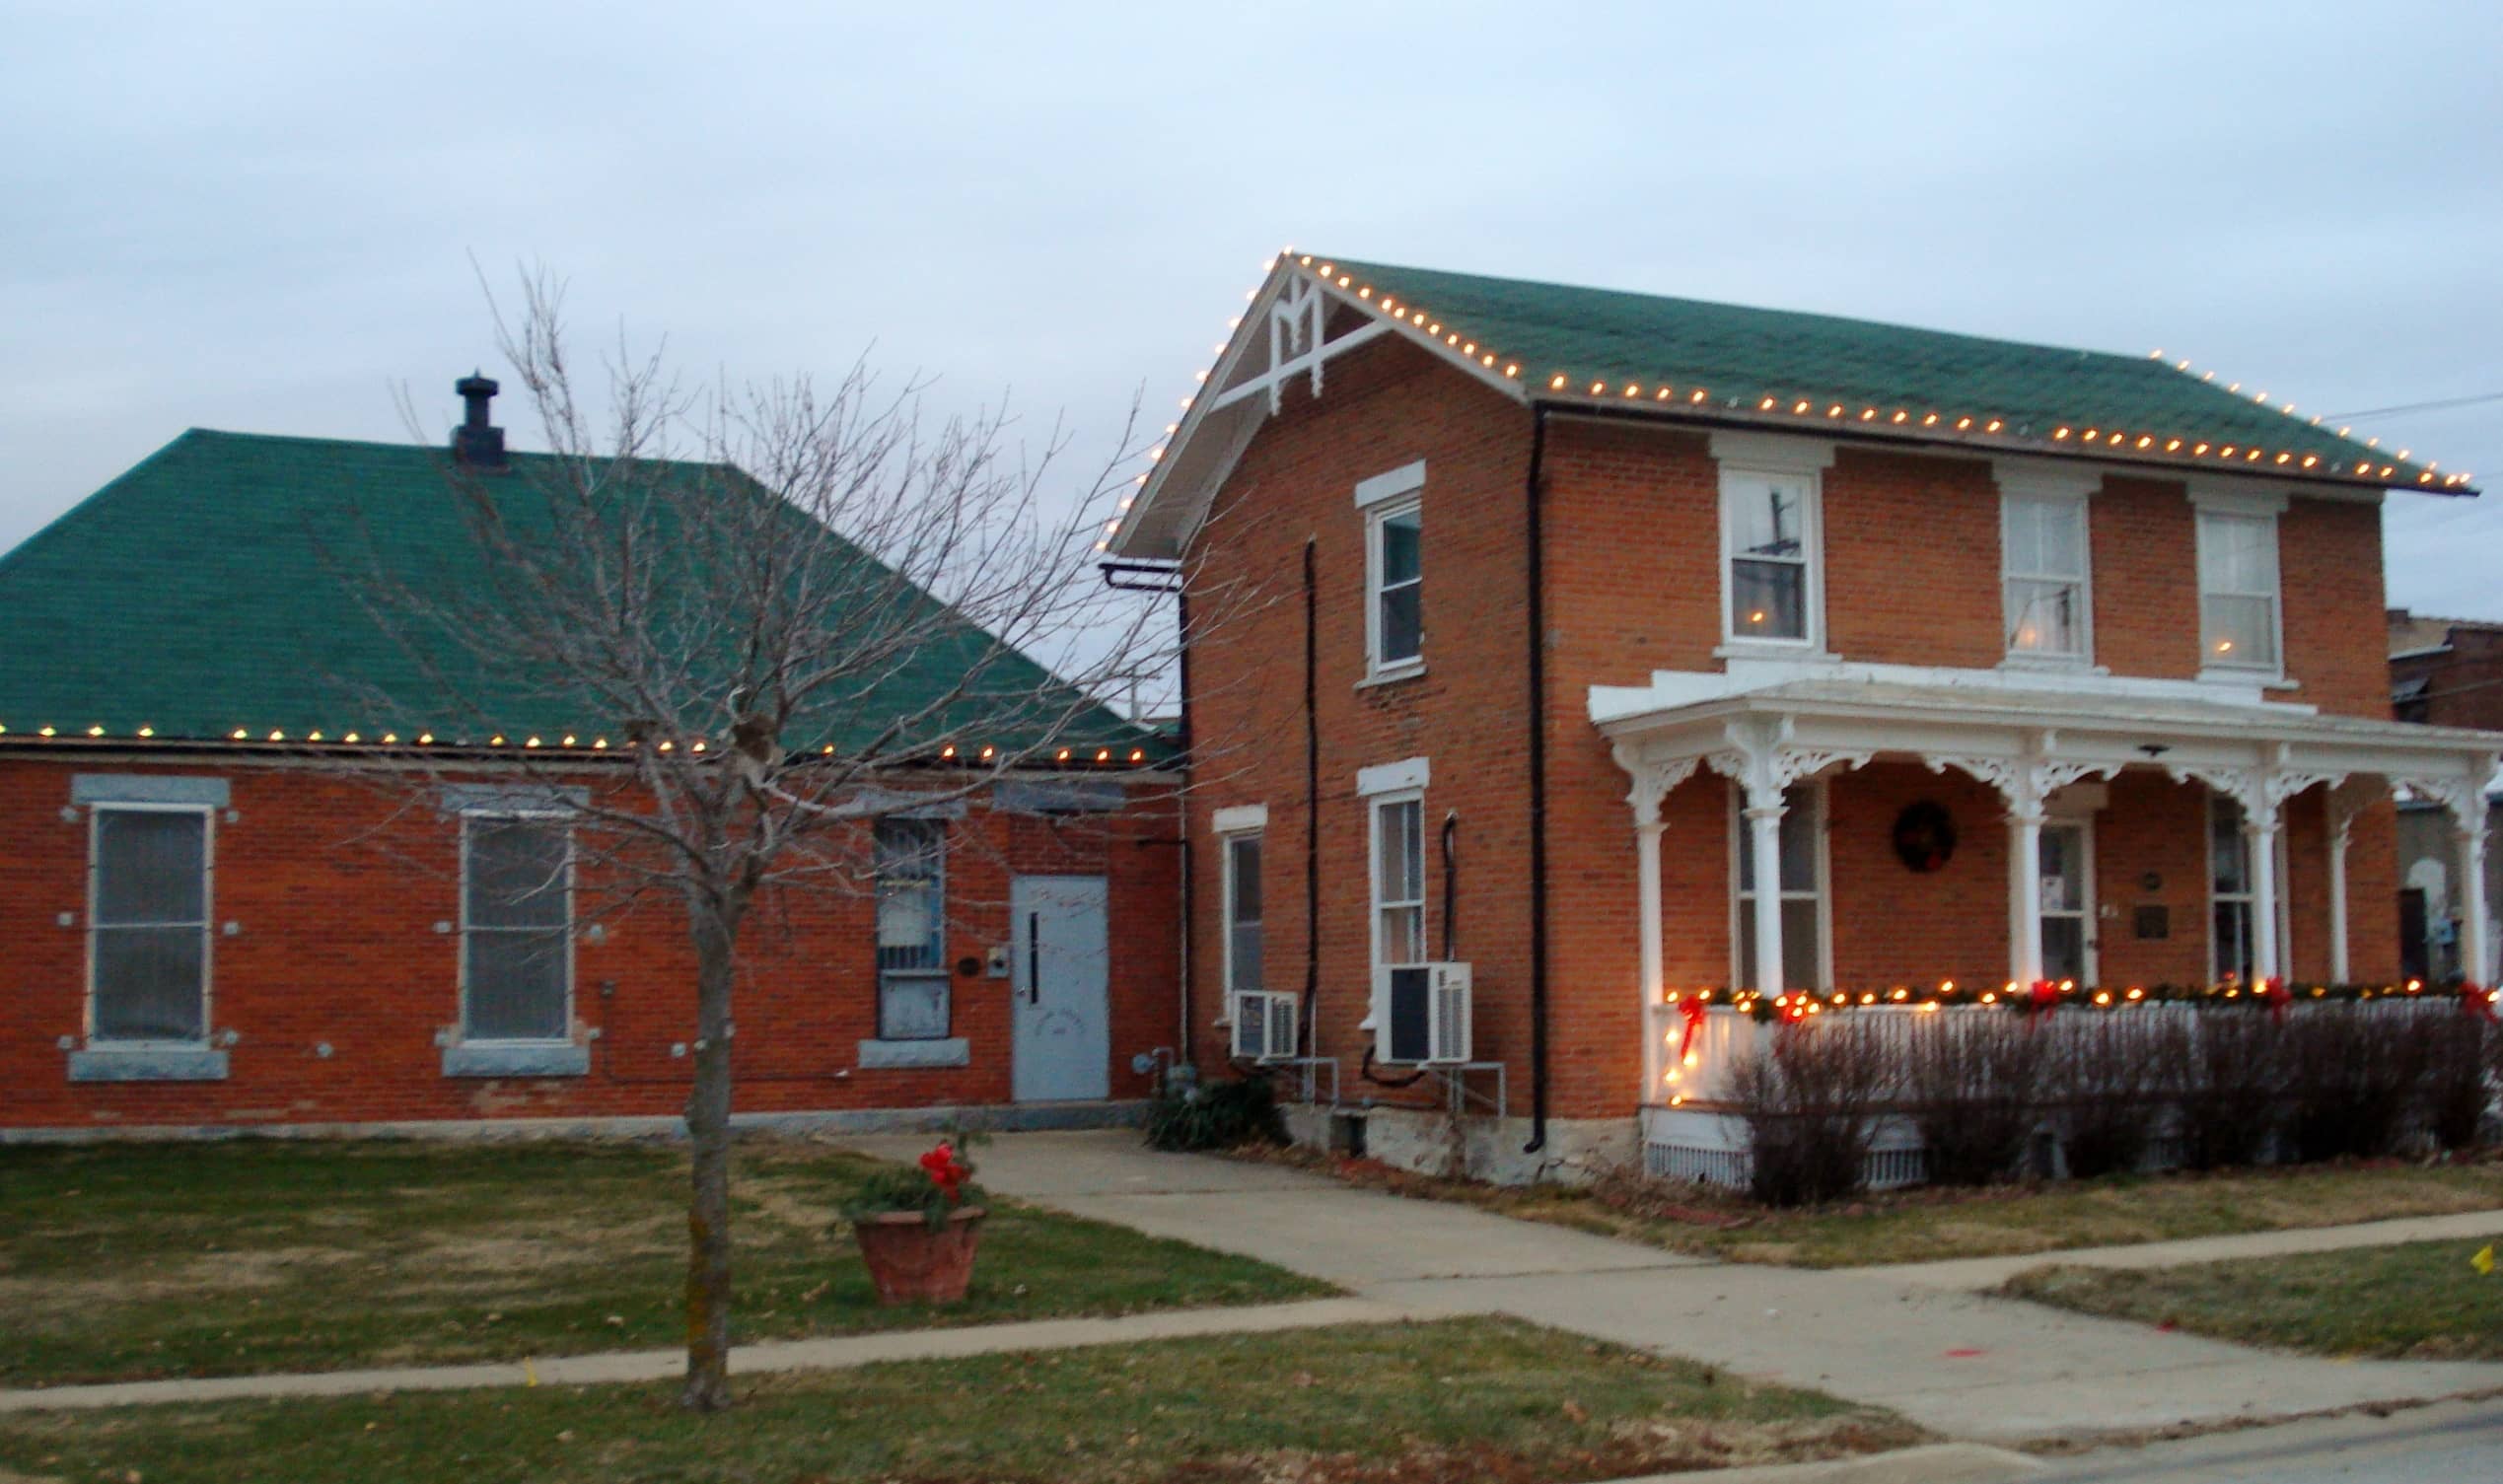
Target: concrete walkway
{"type": "Point", "coordinates": [1976, 1273]}
{"type": "Point", "coordinates": [828, 1354]}
{"type": "Point", "coordinates": [1914, 1340]}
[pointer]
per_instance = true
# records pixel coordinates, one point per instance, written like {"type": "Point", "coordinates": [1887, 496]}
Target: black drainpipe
{"type": "Point", "coordinates": [1181, 646]}
{"type": "Point", "coordinates": [1537, 789]}
{"type": "Point", "coordinates": [1312, 804]}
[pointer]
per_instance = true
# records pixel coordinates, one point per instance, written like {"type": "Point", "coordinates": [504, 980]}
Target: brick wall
{"type": "Point", "coordinates": [1633, 585]}
{"type": "Point", "coordinates": [338, 894]}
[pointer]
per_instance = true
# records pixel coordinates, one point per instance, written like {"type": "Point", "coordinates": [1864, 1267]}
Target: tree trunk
{"type": "Point", "coordinates": [707, 1387]}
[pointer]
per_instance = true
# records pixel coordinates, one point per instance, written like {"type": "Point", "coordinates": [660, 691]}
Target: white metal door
{"type": "Point", "coordinates": [1060, 983]}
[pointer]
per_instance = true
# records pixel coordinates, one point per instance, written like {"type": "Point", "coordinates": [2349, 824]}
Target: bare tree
{"type": "Point", "coordinates": [727, 608]}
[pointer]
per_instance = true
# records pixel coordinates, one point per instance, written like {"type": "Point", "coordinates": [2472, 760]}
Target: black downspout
{"type": "Point", "coordinates": [1312, 801]}
{"type": "Point", "coordinates": [1534, 547]}
{"type": "Point", "coordinates": [1182, 647]}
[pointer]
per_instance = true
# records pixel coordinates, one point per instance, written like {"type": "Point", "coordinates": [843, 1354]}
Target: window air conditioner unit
{"type": "Point", "coordinates": [1263, 1025]}
{"type": "Point", "coordinates": [1423, 1012]}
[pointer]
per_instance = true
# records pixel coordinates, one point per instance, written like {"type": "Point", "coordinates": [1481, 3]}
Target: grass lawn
{"type": "Point", "coordinates": [131, 1261]}
{"type": "Point", "coordinates": [2420, 1300]}
{"type": "Point", "coordinates": [1935, 1224]}
{"type": "Point", "coordinates": [1478, 1399]}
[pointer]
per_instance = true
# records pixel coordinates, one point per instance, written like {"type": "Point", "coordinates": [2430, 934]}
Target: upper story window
{"type": "Point", "coordinates": [1395, 571]}
{"type": "Point", "coordinates": [2241, 622]}
{"type": "Point", "coordinates": [2042, 576]}
{"type": "Point", "coordinates": [517, 920]}
{"type": "Point", "coordinates": [912, 972]}
{"type": "Point", "coordinates": [148, 925]}
{"type": "Point", "coordinates": [1772, 559]}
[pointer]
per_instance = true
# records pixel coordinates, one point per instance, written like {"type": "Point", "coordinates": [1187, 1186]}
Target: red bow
{"type": "Point", "coordinates": [945, 1172]}
{"type": "Point", "coordinates": [1692, 1009]}
{"type": "Point", "coordinates": [2273, 990]}
{"type": "Point", "coordinates": [2476, 1000]}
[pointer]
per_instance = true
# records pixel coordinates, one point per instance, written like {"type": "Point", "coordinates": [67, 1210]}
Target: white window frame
{"type": "Point", "coordinates": [2212, 504]}
{"type": "Point", "coordinates": [1745, 460]}
{"type": "Point", "coordinates": [564, 821]}
{"type": "Point", "coordinates": [1374, 807]}
{"type": "Point", "coordinates": [1384, 498]}
{"type": "Point", "coordinates": [2246, 897]}
{"type": "Point", "coordinates": [940, 971]}
{"type": "Point", "coordinates": [2022, 483]}
{"type": "Point", "coordinates": [1741, 922]}
{"type": "Point", "coordinates": [1225, 843]}
{"type": "Point", "coordinates": [208, 922]}
{"type": "Point", "coordinates": [2090, 962]}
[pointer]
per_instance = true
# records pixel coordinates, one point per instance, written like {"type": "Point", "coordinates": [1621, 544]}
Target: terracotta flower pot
{"type": "Point", "coordinates": [911, 1261]}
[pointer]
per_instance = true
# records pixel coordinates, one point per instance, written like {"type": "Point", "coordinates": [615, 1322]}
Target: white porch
{"type": "Point", "coordinates": [2027, 744]}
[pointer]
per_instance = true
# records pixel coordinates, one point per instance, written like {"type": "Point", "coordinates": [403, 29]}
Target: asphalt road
{"type": "Point", "coordinates": [2456, 1442]}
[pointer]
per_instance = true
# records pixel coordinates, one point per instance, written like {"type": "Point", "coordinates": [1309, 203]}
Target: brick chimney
{"type": "Point", "coordinates": [476, 441]}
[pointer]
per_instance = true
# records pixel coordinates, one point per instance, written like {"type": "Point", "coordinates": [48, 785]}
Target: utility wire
{"type": "Point", "coordinates": [2454, 401]}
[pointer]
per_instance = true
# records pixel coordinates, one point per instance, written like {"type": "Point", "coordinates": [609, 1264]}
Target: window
{"type": "Point", "coordinates": [912, 971]}
{"type": "Point", "coordinates": [148, 929]}
{"type": "Point", "coordinates": [1396, 577]}
{"type": "Point", "coordinates": [517, 918]}
{"type": "Point", "coordinates": [2043, 552]}
{"type": "Point", "coordinates": [1765, 519]}
{"type": "Point", "coordinates": [1243, 913]}
{"type": "Point", "coordinates": [2238, 590]}
{"type": "Point", "coordinates": [1398, 881]}
{"type": "Point", "coordinates": [1802, 870]}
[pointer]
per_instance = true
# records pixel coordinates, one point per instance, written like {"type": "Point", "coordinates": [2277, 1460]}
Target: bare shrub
{"type": "Point", "coordinates": [2353, 1074]}
{"type": "Point", "coordinates": [2224, 1068]}
{"type": "Point", "coordinates": [2110, 1074]}
{"type": "Point", "coordinates": [2457, 1089]}
{"type": "Point", "coordinates": [1974, 1080]}
{"type": "Point", "coordinates": [1810, 1095]}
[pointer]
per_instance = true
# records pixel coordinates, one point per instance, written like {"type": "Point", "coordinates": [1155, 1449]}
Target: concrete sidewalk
{"type": "Point", "coordinates": [1976, 1273]}
{"type": "Point", "coordinates": [828, 1354]}
{"type": "Point", "coordinates": [1913, 1340]}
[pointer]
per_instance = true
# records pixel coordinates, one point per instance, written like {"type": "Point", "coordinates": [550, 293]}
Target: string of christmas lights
{"type": "Point", "coordinates": [1796, 1005]}
{"type": "Point", "coordinates": [568, 743]}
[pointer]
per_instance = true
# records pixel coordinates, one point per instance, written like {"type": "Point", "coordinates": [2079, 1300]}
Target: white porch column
{"type": "Point", "coordinates": [2343, 805]}
{"type": "Point", "coordinates": [1652, 782]}
{"type": "Point", "coordinates": [2025, 896]}
{"type": "Point", "coordinates": [1764, 811]}
{"type": "Point", "coordinates": [2261, 819]}
{"type": "Point", "coordinates": [2474, 965]}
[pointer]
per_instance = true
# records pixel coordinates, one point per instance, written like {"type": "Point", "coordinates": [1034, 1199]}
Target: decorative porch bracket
{"type": "Point", "coordinates": [2025, 782]}
{"type": "Point", "coordinates": [2466, 798]}
{"type": "Point", "coordinates": [2262, 793]}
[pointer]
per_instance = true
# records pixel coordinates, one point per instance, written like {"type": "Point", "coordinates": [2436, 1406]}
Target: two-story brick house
{"type": "Point", "coordinates": [2008, 662]}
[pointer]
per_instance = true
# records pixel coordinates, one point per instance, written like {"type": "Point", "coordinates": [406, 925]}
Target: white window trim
{"type": "Point", "coordinates": [208, 924]}
{"type": "Point", "coordinates": [1411, 774]}
{"type": "Point", "coordinates": [462, 1035]}
{"type": "Point", "coordinates": [1740, 923]}
{"type": "Point", "coordinates": [1374, 905]}
{"type": "Point", "coordinates": [1406, 480]}
{"type": "Point", "coordinates": [2021, 480]}
{"type": "Point", "coordinates": [1377, 669]}
{"type": "Point", "coordinates": [1240, 818]}
{"type": "Point", "coordinates": [1773, 456]}
{"type": "Point", "coordinates": [2244, 505]}
{"type": "Point", "coordinates": [1226, 924]}
{"type": "Point", "coordinates": [2090, 929]}
{"type": "Point", "coordinates": [939, 971]}
{"type": "Point", "coordinates": [2246, 897]}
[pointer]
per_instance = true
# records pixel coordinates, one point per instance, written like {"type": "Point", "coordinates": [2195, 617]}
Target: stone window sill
{"type": "Point", "coordinates": [876, 1056]}
{"type": "Point", "coordinates": [515, 1059]}
{"type": "Point", "coordinates": [147, 1064]}
{"type": "Point", "coordinates": [1411, 670]}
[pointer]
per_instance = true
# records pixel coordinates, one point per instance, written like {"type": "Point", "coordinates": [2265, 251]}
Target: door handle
{"type": "Point", "coordinates": [1034, 958]}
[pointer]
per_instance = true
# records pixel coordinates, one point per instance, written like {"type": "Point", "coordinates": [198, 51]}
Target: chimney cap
{"type": "Point", "coordinates": [476, 384]}
{"type": "Point", "coordinates": [477, 442]}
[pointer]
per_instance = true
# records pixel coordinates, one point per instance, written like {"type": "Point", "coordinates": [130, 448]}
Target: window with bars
{"type": "Point", "coordinates": [148, 925]}
{"type": "Point", "coordinates": [912, 972]}
{"type": "Point", "coordinates": [517, 929]}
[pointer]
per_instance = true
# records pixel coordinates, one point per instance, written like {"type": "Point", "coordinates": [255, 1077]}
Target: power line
{"type": "Point", "coordinates": [2454, 401]}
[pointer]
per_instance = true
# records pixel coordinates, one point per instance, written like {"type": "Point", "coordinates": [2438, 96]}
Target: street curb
{"type": "Point", "coordinates": [1932, 1463]}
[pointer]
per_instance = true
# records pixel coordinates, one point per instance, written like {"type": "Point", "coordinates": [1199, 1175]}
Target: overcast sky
{"type": "Point", "coordinates": [262, 217]}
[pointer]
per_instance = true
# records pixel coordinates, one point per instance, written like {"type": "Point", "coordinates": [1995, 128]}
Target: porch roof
{"type": "Point", "coordinates": [2190, 729]}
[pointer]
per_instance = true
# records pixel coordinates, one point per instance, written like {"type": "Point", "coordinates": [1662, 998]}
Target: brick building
{"type": "Point", "coordinates": [2443, 672]}
{"type": "Point", "coordinates": [2009, 664]}
{"type": "Point", "coordinates": [218, 910]}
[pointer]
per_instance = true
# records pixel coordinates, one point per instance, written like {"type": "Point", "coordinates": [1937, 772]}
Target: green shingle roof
{"type": "Point", "coordinates": [1743, 358]}
{"type": "Point", "coordinates": [214, 588]}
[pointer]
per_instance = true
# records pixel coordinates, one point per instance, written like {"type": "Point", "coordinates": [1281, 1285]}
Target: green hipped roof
{"type": "Point", "coordinates": [214, 588]}
{"type": "Point", "coordinates": [1741, 356]}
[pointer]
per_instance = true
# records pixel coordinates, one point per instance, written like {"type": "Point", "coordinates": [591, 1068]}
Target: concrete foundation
{"type": "Point", "coordinates": [994, 1119]}
{"type": "Point", "coordinates": [1474, 1146]}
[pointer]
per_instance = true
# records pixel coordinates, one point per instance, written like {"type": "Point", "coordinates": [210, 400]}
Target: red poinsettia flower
{"type": "Point", "coordinates": [945, 1172]}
